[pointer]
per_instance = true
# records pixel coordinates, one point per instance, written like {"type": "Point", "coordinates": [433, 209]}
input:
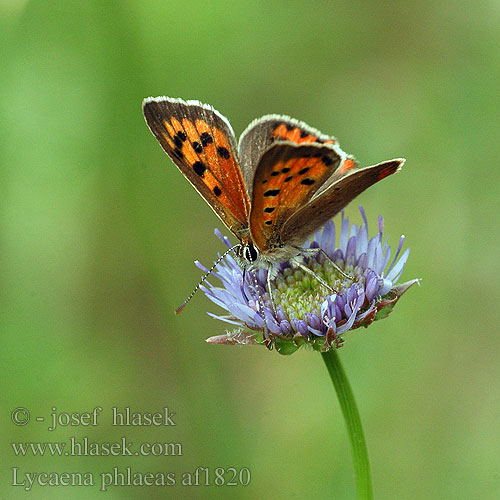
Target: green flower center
{"type": "Point", "coordinates": [297, 292]}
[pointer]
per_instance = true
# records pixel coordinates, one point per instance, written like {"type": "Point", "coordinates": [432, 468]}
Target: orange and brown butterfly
{"type": "Point", "coordinates": [273, 189]}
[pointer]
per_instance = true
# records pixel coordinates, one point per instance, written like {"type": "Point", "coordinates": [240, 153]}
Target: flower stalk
{"type": "Point", "coordinates": [353, 423]}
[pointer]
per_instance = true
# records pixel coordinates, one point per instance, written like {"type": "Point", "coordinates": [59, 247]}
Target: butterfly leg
{"type": "Point", "coordinates": [316, 276]}
{"type": "Point", "coordinates": [309, 252]}
{"type": "Point", "coordinates": [315, 251]}
{"type": "Point", "coordinates": [337, 268]}
{"type": "Point", "coordinates": [268, 338]}
{"type": "Point", "coordinates": [271, 274]}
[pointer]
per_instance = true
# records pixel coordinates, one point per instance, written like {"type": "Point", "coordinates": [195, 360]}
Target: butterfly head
{"type": "Point", "coordinates": [250, 257]}
{"type": "Point", "coordinates": [246, 254]}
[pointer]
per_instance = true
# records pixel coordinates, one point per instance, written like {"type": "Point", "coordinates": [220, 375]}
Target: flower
{"type": "Point", "coordinates": [303, 311]}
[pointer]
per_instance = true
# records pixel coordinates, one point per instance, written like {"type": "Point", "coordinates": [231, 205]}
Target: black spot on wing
{"type": "Point", "coordinates": [199, 168]}
{"type": "Point", "coordinates": [272, 192]}
{"type": "Point", "coordinates": [177, 142]}
{"type": "Point", "coordinates": [327, 160]}
{"type": "Point", "coordinates": [198, 148]}
{"type": "Point", "coordinates": [223, 152]}
{"type": "Point", "coordinates": [269, 210]}
{"type": "Point", "coordinates": [179, 138]}
{"type": "Point", "coordinates": [206, 139]}
{"type": "Point", "coordinates": [307, 181]}
{"type": "Point", "coordinates": [304, 170]}
{"type": "Point", "coordinates": [217, 191]}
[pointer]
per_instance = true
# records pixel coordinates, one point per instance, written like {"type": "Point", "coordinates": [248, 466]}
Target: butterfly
{"type": "Point", "coordinates": [281, 182]}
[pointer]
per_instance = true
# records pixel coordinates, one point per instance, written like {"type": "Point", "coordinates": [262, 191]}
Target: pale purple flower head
{"type": "Point", "coordinates": [305, 312]}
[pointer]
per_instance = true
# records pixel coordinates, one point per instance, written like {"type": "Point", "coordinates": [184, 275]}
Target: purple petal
{"type": "Point", "coordinates": [285, 327]}
{"type": "Point", "coordinates": [301, 327]}
{"type": "Point", "coordinates": [401, 240]}
{"type": "Point", "coordinates": [313, 321]}
{"type": "Point", "coordinates": [223, 238]}
{"type": "Point", "coordinates": [372, 285]}
{"type": "Point", "coordinates": [358, 303]}
{"type": "Point", "coordinates": [363, 215]}
{"type": "Point", "coordinates": [223, 318]}
{"type": "Point", "coordinates": [281, 315]}
{"type": "Point", "coordinates": [362, 261]}
{"type": "Point", "coordinates": [328, 238]}
{"type": "Point", "coordinates": [386, 287]}
{"type": "Point", "coordinates": [398, 268]}
{"type": "Point", "coordinates": [271, 323]}
{"type": "Point", "coordinates": [351, 247]}
{"type": "Point", "coordinates": [380, 224]}
{"type": "Point", "coordinates": [344, 233]}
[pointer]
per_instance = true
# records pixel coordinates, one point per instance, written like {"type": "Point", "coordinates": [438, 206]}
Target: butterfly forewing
{"type": "Point", "coordinates": [201, 143]}
{"type": "Point", "coordinates": [329, 202]}
{"type": "Point", "coordinates": [286, 178]}
{"type": "Point", "coordinates": [265, 131]}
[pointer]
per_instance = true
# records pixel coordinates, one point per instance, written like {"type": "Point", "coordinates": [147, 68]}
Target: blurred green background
{"type": "Point", "coordinates": [99, 232]}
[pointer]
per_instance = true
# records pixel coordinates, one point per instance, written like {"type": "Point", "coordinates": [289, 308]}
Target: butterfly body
{"type": "Point", "coordinates": [273, 189]}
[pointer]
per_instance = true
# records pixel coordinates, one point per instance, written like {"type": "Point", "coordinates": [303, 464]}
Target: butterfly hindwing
{"type": "Point", "coordinates": [327, 203]}
{"type": "Point", "coordinates": [201, 142]}
{"type": "Point", "coordinates": [265, 131]}
{"type": "Point", "coordinates": [286, 178]}
{"type": "Point", "coordinates": [348, 165]}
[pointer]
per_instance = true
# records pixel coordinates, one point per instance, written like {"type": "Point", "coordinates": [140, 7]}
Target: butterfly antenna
{"type": "Point", "coordinates": [206, 275]}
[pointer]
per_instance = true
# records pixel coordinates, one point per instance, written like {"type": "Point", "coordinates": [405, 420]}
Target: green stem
{"type": "Point", "coordinates": [353, 423]}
